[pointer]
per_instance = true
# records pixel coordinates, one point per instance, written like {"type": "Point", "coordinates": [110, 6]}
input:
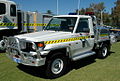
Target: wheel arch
{"type": "Point", "coordinates": [64, 51]}
{"type": "Point", "coordinates": [53, 55]}
{"type": "Point", "coordinates": [108, 43]}
{"type": "Point", "coordinates": [99, 44]}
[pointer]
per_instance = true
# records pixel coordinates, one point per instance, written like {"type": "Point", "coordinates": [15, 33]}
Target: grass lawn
{"type": "Point", "coordinates": [96, 70]}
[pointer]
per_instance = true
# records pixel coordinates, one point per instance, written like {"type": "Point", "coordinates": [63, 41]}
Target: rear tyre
{"type": "Point", "coordinates": [56, 65]}
{"type": "Point", "coordinates": [103, 51]}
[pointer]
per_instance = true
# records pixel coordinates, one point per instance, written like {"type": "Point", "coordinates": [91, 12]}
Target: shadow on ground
{"type": "Point", "coordinates": [2, 51]}
{"type": "Point", "coordinates": [34, 71]}
{"type": "Point", "coordinates": [39, 71]}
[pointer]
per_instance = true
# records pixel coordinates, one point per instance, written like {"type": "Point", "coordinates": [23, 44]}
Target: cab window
{"type": "Point", "coordinates": [13, 10]}
{"type": "Point", "coordinates": [66, 24]}
{"type": "Point", "coordinates": [2, 8]}
{"type": "Point", "coordinates": [83, 25]}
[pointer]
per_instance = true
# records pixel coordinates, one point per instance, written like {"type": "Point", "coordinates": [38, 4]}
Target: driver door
{"type": "Point", "coordinates": [86, 43]}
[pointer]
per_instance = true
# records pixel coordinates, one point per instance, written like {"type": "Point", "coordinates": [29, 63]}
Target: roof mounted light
{"type": "Point", "coordinates": [89, 13]}
{"type": "Point", "coordinates": [72, 14]}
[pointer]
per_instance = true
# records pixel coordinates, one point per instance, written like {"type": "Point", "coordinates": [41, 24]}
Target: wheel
{"type": "Point", "coordinates": [103, 51]}
{"type": "Point", "coordinates": [56, 65]}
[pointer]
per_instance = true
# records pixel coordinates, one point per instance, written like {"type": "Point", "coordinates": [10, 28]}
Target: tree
{"type": "Point", "coordinates": [106, 18]}
{"type": "Point", "coordinates": [49, 12]}
{"type": "Point", "coordinates": [89, 9]}
{"type": "Point", "coordinates": [82, 11]}
{"type": "Point", "coordinates": [97, 8]}
{"type": "Point", "coordinates": [116, 14]}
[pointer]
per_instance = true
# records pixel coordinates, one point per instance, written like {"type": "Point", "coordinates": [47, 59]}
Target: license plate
{"type": "Point", "coordinates": [17, 60]}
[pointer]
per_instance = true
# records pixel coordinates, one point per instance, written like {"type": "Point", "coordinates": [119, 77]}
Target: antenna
{"type": "Point", "coordinates": [57, 7]}
{"type": "Point", "coordinates": [78, 6]}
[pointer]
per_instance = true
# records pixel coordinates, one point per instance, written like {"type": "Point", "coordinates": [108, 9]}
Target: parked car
{"type": "Point", "coordinates": [115, 34]}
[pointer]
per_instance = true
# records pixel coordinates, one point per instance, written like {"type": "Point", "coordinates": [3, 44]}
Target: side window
{"type": "Point", "coordinates": [2, 8]}
{"type": "Point", "coordinates": [83, 25]}
{"type": "Point", "coordinates": [13, 10]}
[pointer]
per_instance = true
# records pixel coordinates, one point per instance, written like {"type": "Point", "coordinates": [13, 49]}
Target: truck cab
{"type": "Point", "coordinates": [80, 29]}
{"type": "Point", "coordinates": [65, 38]}
{"type": "Point", "coordinates": [8, 20]}
{"type": "Point", "coordinates": [8, 14]}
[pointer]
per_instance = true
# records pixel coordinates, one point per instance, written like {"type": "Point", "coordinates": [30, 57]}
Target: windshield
{"type": "Point", "coordinates": [62, 24]}
{"type": "Point", "coordinates": [2, 8]}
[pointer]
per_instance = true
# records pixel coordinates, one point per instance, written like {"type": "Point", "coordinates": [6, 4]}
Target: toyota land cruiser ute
{"type": "Point", "coordinates": [65, 38]}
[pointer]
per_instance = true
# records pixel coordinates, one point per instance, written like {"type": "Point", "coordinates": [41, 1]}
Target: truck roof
{"type": "Point", "coordinates": [83, 16]}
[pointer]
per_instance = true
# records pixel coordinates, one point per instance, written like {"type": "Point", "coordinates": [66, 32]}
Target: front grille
{"type": "Point", "coordinates": [12, 42]}
{"type": "Point", "coordinates": [19, 44]}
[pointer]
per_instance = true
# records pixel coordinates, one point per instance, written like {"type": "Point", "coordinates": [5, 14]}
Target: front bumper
{"type": "Point", "coordinates": [26, 58]}
{"type": "Point", "coordinates": [30, 59]}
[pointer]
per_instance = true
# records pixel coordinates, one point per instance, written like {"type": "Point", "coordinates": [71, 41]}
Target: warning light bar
{"type": "Point", "coordinates": [72, 14]}
{"type": "Point", "coordinates": [89, 13]}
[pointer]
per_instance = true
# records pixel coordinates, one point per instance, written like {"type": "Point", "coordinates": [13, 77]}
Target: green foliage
{"type": "Point", "coordinates": [112, 19]}
{"type": "Point", "coordinates": [49, 12]}
{"type": "Point", "coordinates": [116, 14]}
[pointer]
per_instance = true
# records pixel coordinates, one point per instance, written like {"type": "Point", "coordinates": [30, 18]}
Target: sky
{"type": "Point", "coordinates": [64, 7]}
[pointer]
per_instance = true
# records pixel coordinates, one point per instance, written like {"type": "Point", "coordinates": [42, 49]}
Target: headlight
{"type": "Point", "coordinates": [32, 46]}
{"type": "Point", "coordinates": [40, 45]}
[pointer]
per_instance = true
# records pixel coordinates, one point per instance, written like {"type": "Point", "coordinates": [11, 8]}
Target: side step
{"type": "Point", "coordinates": [83, 55]}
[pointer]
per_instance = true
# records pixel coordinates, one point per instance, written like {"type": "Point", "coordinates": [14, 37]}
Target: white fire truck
{"type": "Point", "coordinates": [75, 37]}
{"type": "Point", "coordinates": [12, 20]}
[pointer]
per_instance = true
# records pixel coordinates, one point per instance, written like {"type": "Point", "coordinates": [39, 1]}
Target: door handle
{"type": "Point", "coordinates": [77, 43]}
{"type": "Point", "coordinates": [83, 44]}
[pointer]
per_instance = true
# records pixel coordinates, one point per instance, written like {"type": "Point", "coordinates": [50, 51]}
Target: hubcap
{"type": "Point", "coordinates": [57, 66]}
{"type": "Point", "coordinates": [104, 51]}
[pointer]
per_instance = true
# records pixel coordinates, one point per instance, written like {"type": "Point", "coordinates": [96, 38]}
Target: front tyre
{"type": "Point", "coordinates": [56, 65]}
